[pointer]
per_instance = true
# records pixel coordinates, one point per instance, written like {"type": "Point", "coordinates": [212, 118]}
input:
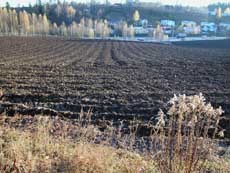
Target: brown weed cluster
{"type": "Point", "coordinates": [184, 136]}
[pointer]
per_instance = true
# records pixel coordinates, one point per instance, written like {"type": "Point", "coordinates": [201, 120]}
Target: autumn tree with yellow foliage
{"type": "Point", "coordinates": [24, 23]}
{"type": "Point", "coordinates": [136, 16]}
{"type": "Point", "coordinates": [219, 13]}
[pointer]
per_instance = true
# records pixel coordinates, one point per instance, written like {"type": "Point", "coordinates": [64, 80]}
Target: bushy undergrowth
{"type": "Point", "coordinates": [181, 141]}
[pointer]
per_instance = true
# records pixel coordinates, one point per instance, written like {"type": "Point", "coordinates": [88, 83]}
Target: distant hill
{"type": "Point", "coordinates": [152, 12]}
{"type": "Point", "coordinates": [155, 13]}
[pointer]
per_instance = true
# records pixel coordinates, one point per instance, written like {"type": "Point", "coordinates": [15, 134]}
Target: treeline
{"type": "Point", "coordinates": [15, 23]}
{"type": "Point", "coordinates": [24, 23]}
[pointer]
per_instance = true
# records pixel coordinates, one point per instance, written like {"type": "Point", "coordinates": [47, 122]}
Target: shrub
{"type": "Point", "coordinates": [183, 137]}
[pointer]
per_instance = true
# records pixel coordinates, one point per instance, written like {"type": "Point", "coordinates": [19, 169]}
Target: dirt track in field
{"type": "Point", "coordinates": [119, 80]}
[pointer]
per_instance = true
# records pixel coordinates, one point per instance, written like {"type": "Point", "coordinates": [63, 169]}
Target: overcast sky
{"type": "Point", "coordinates": [179, 2]}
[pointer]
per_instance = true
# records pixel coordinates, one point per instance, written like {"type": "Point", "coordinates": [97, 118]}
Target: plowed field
{"type": "Point", "coordinates": [118, 80]}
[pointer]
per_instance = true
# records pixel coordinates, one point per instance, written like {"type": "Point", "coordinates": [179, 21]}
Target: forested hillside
{"type": "Point", "coordinates": [68, 12]}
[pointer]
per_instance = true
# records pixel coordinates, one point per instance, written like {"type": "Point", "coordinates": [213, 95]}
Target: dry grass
{"type": "Point", "coordinates": [36, 150]}
{"type": "Point", "coordinates": [1, 93]}
{"type": "Point", "coordinates": [181, 141]}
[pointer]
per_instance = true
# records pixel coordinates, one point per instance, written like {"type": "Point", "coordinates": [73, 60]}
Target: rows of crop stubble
{"type": "Point", "coordinates": [118, 80]}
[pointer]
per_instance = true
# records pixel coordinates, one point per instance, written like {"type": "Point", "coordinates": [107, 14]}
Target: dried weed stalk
{"type": "Point", "coordinates": [183, 137]}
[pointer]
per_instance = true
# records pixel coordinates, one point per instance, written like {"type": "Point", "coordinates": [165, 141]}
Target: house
{"type": "Point", "coordinates": [170, 23]}
{"type": "Point", "coordinates": [168, 26]}
{"type": "Point", "coordinates": [208, 27]}
{"type": "Point", "coordinates": [190, 27]}
{"type": "Point", "coordinates": [140, 31]}
{"type": "Point", "coordinates": [187, 23]}
{"type": "Point", "coordinates": [224, 27]}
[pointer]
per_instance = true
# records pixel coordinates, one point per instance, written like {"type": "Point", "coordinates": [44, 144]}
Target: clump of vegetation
{"type": "Point", "coordinates": [180, 141]}
{"type": "Point", "coordinates": [39, 149]}
{"type": "Point", "coordinates": [184, 136]}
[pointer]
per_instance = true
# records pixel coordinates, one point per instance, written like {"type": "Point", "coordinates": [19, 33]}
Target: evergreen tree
{"type": "Point", "coordinates": [7, 6]}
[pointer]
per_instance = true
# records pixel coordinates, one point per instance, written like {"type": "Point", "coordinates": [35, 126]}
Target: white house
{"type": "Point", "coordinates": [225, 26]}
{"type": "Point", "coordinates": [168, 26]}
{"type": "Point", "coordinates": [170, 23]}
{"type": "Point", "coordinates": [190, 27]}
{"type": "Point", "coordinates": [207, 27]}
{"type": "Point", "coordinates": [188, 23]}
{"type": "Point", "coordinates": [139, 30]}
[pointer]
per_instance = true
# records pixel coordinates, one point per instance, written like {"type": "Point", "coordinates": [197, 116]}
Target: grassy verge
{"type": "Point", "coordinates": [37, 150]}
{"type": "Point", "coordinates": [183, 140]}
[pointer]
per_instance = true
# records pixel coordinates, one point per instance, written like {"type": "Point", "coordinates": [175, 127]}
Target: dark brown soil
{"type": "Point", "coordinates": [118, 80]}
{"type": "Point", "coordinates": [212, 44]}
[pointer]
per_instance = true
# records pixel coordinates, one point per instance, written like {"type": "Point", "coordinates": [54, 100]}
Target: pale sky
{"type": "Point", "coordinates": [179, 2]}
